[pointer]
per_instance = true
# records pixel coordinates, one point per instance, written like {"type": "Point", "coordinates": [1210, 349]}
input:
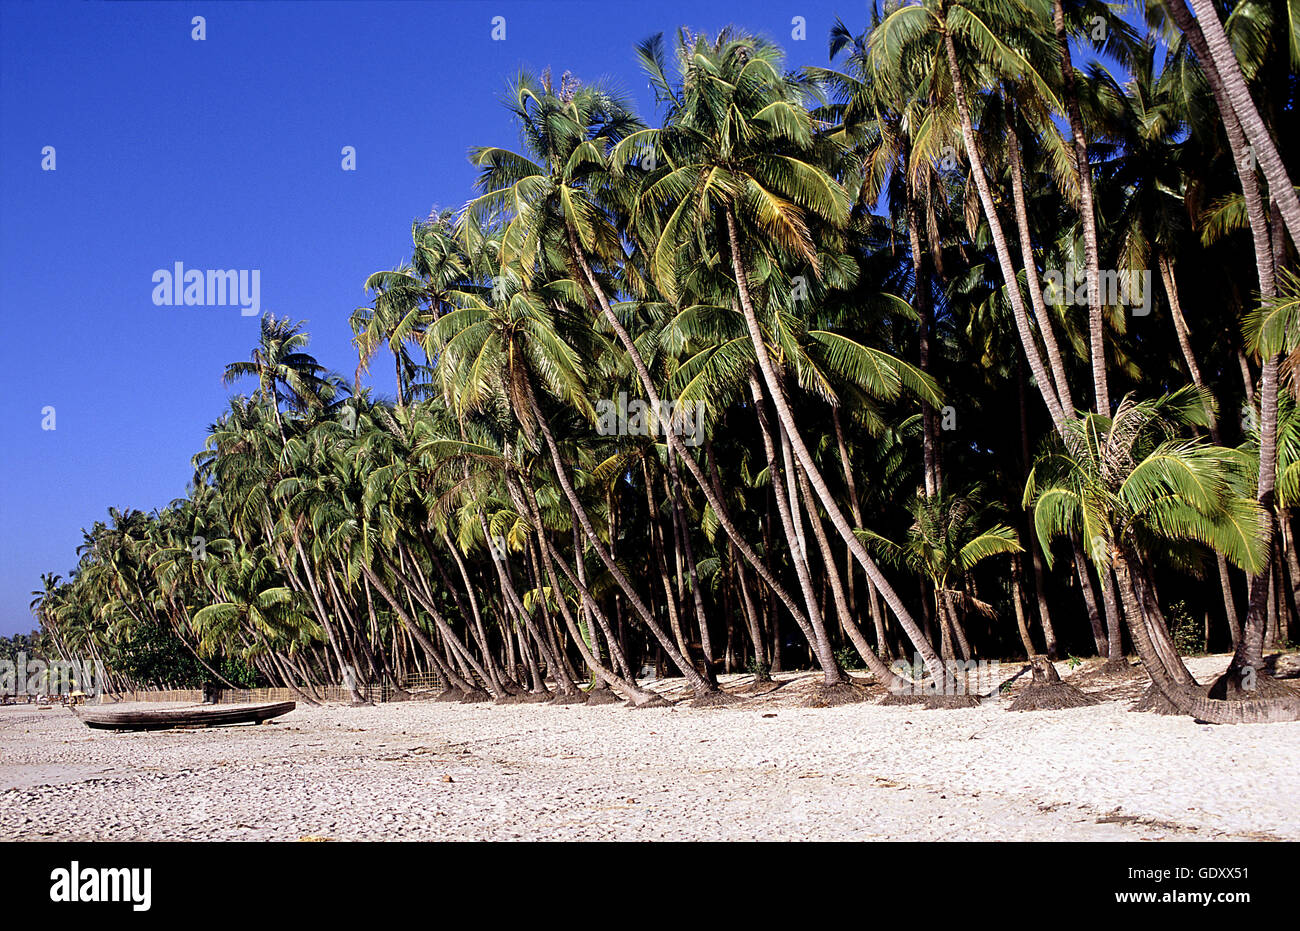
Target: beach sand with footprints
{"type": "Point", "coordinates": [766, 768]}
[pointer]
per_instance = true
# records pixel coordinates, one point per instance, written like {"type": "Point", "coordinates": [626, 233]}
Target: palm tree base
{"type": "Point", "coordinates": [1155, 702]}
{"type": "Point", "coordinates": [1048, 693]}
{"type": "Point", "coordinates": [603, 696]}
{"type": "Point", "coordinates": [842, 693]}
{"type": "Point", "coordinates": [574, 698]}
{"type": "Point", "coordinates": [524, 698]}
{"type": "Point", "coordinates": [715, 699]}
{"type": "Point", "coordinates": [1228, 687]}
{"type": "Point", "coordinates": [474, 697]}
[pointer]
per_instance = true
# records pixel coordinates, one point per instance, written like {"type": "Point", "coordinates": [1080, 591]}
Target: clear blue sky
{"type": "Point", "coordinates": [225, 153]}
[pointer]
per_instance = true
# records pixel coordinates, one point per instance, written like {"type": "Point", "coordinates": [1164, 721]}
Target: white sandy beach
{"type": "Point", "coordinates": [762, 770]}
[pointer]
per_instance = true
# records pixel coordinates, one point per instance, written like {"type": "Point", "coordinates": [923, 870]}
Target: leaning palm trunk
{"type": "Point", "coordinates": [1231, 84]}
{"type": "Point", "coordinates": [319, 606]}
{"type": "Point", "coordinates": [815, 631]}
{"type": "Point", "coordinates": [676, 445]}
{"type": "Point", "coordinates": [697, 682]}
{"type": "Point", "coordinates": [1023, 326]}
{"type": "Point", "coordinates": [480, 632]}
{"type": "Point", "coordinates": [420, 591]}
{"type": "Point", "coordinates": [877, 666]}
{"type": "Point", "coordinates": [809, 465]}
{"type": "Point", "coordinates": [1182, 697]}
{"type": "Point", "coordinates": [579, 582]}
{"type": "Point", "coordinates": [1242, 158]}
{"type": "Point", "coordinates": [1087, 211]}
{"type": "Point", "coordinates": [627, 689]}
{"type": "Point", "coordinates": [516, 606]}
{"type": "Point", "coordinates": [430, 649]}
{"type": "Point", "coordinates": [1036, 299]}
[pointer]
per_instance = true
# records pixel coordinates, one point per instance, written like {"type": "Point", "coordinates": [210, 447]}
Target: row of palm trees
{"type": "Point", "coordinates": [908, 439]}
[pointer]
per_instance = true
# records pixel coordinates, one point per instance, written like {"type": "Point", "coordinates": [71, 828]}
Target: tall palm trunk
{"type": "Point", "coordinates": [676, 445]}
{"type": "Point", "coordinates": [1231, 92]}
{"type": "Point", "coordinates": [1036, 300]}
{"type": "Point", "coordinates": [1248, 657]}
{"type": "Point", "coordinates": [671, 601]}
{"type": "Point", "coordinates": [1183, 698]}
{"type": "Point", "coordinates": [1035, 557]}
{"type": "Point", "coordinates": [688, 552]}
{"type": "Point", "coordinates": [1023, 326]}
{"type": "Point", "coordinates": [925, 313]}
{"type": "Point", "coordinates": [1183, 334]}
{"type": "Point", "coordinates": [814, 628]}
{"type": "Point", "coordinates": [697, 682]}
{"type": "Point", "coordinates": [1087, 211]}
{"type": "Point", "coordinates": [855, 506]}
{"type": "Point", "coordinates": [806, 460]}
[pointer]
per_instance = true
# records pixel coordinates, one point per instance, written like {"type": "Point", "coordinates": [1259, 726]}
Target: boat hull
{"type": "Point", "coordinates": [166, 718]}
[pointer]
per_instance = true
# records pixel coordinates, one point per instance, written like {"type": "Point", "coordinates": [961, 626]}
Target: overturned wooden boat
{"type": "Point", "coordinates": [165, 718]}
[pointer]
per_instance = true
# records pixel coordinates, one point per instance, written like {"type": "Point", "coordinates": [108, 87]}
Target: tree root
{"type": "Point", "coordinates": [1230, 687]}
{"type": "Point", "coordinates": [1047, 692]}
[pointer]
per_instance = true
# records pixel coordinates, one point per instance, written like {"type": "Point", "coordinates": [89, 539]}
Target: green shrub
{"type": "Point", "coordinates": [1186, 630]}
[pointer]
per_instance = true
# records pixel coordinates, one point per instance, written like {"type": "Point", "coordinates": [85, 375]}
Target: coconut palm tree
{"type": "Point", "coordinates": [1129, 484]}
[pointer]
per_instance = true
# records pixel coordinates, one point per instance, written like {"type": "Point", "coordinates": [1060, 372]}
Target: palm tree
{"type": "Point", "coordinates": [1223, 71]}
{"type": "Point", "coordinates": [744, 146]}
{"type": "Point", "coordinates": [947, 539]}
{"type": "Point", "coordinates": [283, 371]}
{"type": "Point", "coordinates": [1129, 484]}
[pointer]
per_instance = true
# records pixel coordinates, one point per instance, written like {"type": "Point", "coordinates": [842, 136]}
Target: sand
{"type": "Point", "coordinates": [765, 769]}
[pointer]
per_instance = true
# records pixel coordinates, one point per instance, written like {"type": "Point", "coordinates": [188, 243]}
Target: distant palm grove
{"type": "Point", "coordinates": [991, 355]}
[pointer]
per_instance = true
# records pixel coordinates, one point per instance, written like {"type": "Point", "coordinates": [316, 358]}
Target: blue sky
{"type": "Point", "coordinates": [225, 153]}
